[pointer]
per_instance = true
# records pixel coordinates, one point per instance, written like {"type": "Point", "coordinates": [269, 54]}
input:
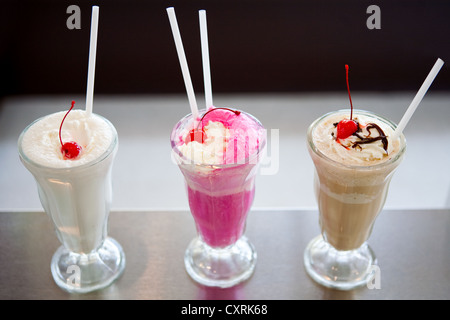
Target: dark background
{"type": "Point", "coordinates": [255, 46]}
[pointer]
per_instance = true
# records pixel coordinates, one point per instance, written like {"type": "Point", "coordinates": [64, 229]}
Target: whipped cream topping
{"type": "Point", "coordinates": [41, 143]}
{"type": "Point", "coordinates": [212, 150]}
{"type": "Point", "coordinates": [353, 150]}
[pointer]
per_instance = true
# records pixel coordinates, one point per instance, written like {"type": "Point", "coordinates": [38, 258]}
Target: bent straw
{"type": "Point", "coordinates": [91, 66]}
{"type": "Point", "coordinates": [418, 98]}
{"type": "Point", "coordinates": [183, 62]}
{"type": "Point", "coordinates": [205, 59]}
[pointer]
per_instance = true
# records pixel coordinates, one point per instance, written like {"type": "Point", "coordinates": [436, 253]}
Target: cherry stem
{"type": "Point", "coordinates": [348, 89]}
{"type": "Point", "coordinates": [236, 112]}
{"type": "Point", "coordinates": [60, 140]}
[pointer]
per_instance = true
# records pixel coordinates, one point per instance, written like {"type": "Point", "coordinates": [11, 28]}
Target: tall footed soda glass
{"type": "Point", "coordinates": [220, 197]}
{"type": "Point", "coordinates": [78, 199]}
{"type": "Point", "coordinates": [349, 198]}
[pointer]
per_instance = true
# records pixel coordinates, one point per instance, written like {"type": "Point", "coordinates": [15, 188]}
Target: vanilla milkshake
{"type": "Point", "coordinates": [76, 193]}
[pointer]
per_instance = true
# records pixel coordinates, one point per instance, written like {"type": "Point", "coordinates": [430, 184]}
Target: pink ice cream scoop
{"type": "Point", "coordinates": [244, 133]}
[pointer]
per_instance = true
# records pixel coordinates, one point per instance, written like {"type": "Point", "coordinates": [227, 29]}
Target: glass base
{"type": "Point", "coordinates": [224, 267]}
{"type": "Point", "coordinates": [343, 270]}
{"type": "Point", "coordinates": [82, 273]}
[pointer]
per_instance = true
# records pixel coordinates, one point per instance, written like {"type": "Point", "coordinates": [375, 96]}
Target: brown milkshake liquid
{"type": "Point", "coordinates": [352, 174]}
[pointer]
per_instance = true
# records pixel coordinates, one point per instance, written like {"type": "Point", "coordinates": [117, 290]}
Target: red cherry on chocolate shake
{"type": "Point", "coordinates": [70, 150]}
{"type": "Point", "coordinates": [195, 135]}
{"type": "Point", "coordinates": [346, 128]}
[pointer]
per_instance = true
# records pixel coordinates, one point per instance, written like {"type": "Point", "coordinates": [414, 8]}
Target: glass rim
{"type": "Point", "coordinates": [254, 159]}
{"type": "Point", "coordinates": [113, 145]}
{"type": "Point", "coordinates": [319, 153]}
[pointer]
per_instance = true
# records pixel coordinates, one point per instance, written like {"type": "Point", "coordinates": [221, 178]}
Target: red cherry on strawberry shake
{"type": "Point", "coordinates": [195, 135]}
{"type": "Point", "coordinates": [70, 150]}
{"type": "Point", "coordinates": [346, 127]}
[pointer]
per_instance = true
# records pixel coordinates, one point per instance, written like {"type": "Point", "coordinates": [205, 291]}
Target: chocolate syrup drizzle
{"type": "Point", "coordinates": [369, 139]}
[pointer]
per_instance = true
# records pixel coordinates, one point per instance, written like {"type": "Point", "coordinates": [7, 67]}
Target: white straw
{"type": "Point", "coordinates": [91, 66]}
{"type": "Point", "coordinates": [205, 59]}
{"type": "Point", "coordinates": [183, 61]}
{"type": "Point", "coordinates": [418, 98]}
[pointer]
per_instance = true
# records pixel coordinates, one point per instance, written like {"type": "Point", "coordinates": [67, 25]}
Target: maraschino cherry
{"type": "Point", "coordinates": [346, 127]}
{"type": "Point", "coordinates": [70, 150]}
{"type": "Point", "coordinates": [198, 134]}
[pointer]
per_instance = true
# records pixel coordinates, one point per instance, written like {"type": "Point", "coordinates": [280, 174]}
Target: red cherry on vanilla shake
{"type": "Point", "coordinates": [346, 127]}
{"type": "Point", "coordinates": [70, 150]}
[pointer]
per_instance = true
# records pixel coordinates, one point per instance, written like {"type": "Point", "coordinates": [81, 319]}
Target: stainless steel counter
{"type": "Point", "coordinates": [412, 248]}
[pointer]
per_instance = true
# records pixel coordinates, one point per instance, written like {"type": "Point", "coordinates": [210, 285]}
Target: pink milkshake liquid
{"type": "Point", "coordinates": [220, 178]}
{"type": "Point", "coordinates": [220, 219]}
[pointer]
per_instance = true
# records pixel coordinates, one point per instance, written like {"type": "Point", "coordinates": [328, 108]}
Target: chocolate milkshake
{"type": "Point", "coordinates": [355, 156]}
{"type": "Point", "coordinates": [352, 174]}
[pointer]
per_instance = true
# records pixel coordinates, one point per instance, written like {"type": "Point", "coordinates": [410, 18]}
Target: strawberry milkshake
{"type": "Point", "coordinates": [218, 154]}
